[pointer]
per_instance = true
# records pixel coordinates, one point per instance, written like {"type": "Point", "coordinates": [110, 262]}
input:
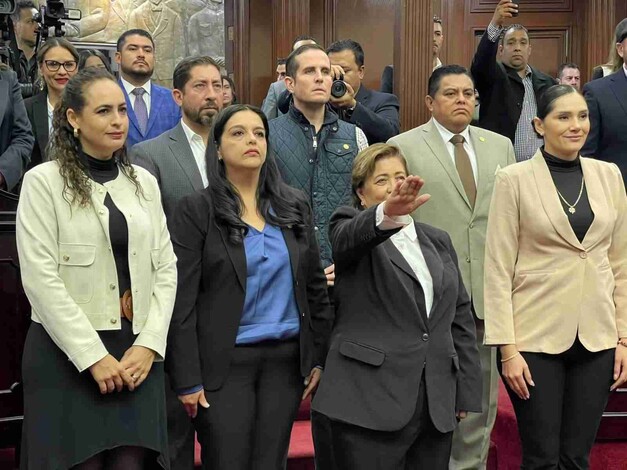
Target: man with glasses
{"type": "Point", "coordinates": [151, 108]}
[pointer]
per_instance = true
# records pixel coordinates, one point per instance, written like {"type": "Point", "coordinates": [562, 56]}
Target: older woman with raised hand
{"type": "Point", "coordinates": [100, 273]}
{"type": "Point", "coordinates": [58, 62]}
{"type": "Point", "coordinates": [403, 365]}
{"type": "Point", "coordinates": [556, 286]}
{"type": "Point", "coordinates": [252, 317]}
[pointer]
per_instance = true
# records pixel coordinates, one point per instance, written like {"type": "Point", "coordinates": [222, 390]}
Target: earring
{"type": "Point", "coordinates": [76, 132]}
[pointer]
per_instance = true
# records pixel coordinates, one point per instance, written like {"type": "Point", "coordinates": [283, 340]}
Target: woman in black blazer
{"type": "Point", "coordinates": [251, 320]}
{"type": "Point", "coordinates": [403, 365]}
{"type": "Point", "coordinates": [58, 62]}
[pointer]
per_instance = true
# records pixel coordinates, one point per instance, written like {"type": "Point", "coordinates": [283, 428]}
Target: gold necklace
{"type": "Point", "coordinates": [571, 207]}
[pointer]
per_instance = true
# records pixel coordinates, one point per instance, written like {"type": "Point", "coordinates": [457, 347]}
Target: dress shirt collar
{"type": "Point", "coordinates": [409, 232]}
{"type": "Point", "coordinates": [129, 87]}
{"type": "Point", "coordinates": [625, 69]}
{"type": "Point", "coordinates": [448, 135]}
{"type": "Point", "coordinates": [528, 71]}
{"type": "Point", "coordinates": [190, 134]}
{"type": "Point", "coordinates": [50, 107]}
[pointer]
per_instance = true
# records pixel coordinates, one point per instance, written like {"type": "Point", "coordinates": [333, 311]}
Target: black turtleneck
{"type": "Point", "coordinates": [101, 172]}
{"type": "Point", "coordinates": [567, 176]}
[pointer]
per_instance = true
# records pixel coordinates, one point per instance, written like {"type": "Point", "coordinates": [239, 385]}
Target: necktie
{"type": "Point", "coordinates": [464, 168]}
{"type": "Point", "coordinates": [141, 111]}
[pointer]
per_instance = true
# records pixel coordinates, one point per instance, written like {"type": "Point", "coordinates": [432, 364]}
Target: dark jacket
{"type": "Point", "coordinates": [319, 165]}
{"type": "Point", "coordinates": [37, 110]}
{"type": "Point", "coordinates": [501, 89]}
{"type": "Point", "coordinates": [383, 341]}
{"type": "Point", "coordinates": [607, 105]}
{"type": "Point", "coordinates": [387, 79]}
{"type": "Point", "coordinates": [376, 114]}
{"type": "Point", "coordinates": [212, 290]}
{"type": "Point", "coordinates": [16, 139]}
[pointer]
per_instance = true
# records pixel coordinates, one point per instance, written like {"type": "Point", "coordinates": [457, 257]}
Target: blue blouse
{"type": "Point", "coordinates": [270, 310]}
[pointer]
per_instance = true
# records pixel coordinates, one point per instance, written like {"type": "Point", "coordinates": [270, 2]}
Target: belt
{"type": "Point", "coordinates": [126, 305]}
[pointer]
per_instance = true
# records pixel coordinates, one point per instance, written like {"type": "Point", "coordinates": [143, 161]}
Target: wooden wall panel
{"type": "Point", "coordinates": [260, 71]}
{"type": "Point", "coordinates": [526, 6]}
{"type": "Point", "coordinates": [374, 30]}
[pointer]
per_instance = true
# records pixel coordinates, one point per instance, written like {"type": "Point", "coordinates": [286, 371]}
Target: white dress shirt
{"type": "Point", "coordinates": [199, 150]}
{"type": "Point", "coordinates": [50, 113]}
{"type": "Point", "coordinates": [406, 241]}
{"type": "Point", "coordinates": [128, 87]}
{"type": "Point", "coordinates": [448, 135]}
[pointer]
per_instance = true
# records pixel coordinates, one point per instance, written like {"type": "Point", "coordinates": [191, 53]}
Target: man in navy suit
{"type": "Point", "coordinates": [607, 104]}
{"type": "Point", "coordinates": [151, 108]}
{"type": "Point", "coordinates": [373, 112]}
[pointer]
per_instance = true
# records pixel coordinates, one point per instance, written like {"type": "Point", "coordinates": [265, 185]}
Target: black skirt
{"type": "Point", "coordinates": [66, 418]}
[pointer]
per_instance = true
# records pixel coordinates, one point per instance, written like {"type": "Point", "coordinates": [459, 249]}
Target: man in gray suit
{"type": "Point", "coordinates": [458, 163]}
{"type": "Point", "coordinates": [278, 89]}
{"type": "Point", "coordinates": [177, 159]}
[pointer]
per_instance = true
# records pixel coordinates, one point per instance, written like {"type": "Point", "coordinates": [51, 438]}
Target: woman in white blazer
{"type": "Point", "coordinates": [556, 286]}
{"type": "Point", "coordinates": [100, 273]}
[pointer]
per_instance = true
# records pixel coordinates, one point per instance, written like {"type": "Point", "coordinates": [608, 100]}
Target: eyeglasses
{"type": "Point", "coordinates": [54, 66]}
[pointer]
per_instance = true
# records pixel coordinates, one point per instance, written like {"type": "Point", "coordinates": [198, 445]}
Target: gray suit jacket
{"type": "Point", "coordinates": [270, 103]}
{"type": "Point", "coordinates": [449, 208]}
{"type": "Point", "coordinates": [170, 159]}
{"type": "Point", "coordinates": [16, 137]}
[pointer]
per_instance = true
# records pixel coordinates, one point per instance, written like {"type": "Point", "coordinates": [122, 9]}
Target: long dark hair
{"type": "Point", "coordinates": [232, 83]}
{"type": "Point", "coordinates": [87, 53]}
{"type": "Point", "coordinates": [277, 203]}
{"type": "Point", "coordinates": [66, 148]}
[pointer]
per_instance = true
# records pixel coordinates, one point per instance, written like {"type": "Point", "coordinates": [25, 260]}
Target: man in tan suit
{"type": "Point", "coordinates": [458, 163]}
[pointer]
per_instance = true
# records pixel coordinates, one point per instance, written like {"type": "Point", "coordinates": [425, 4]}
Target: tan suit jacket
{"type": "Point", "coordinates": [449, 208]}
{"type": "Point", "coordinates": [543, 287]}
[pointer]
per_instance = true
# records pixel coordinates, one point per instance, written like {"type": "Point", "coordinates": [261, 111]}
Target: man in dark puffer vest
{"type": "Point", "coordinates": [313, 148]}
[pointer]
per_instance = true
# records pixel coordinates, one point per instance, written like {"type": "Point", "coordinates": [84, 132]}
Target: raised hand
{"type": "Point", "coordinates": [504, 10]}
{"type": "Point", "coordinates": [405, 197]}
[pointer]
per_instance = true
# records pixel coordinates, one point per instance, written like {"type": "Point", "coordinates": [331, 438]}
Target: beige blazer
{"type": "Point", "coordinates": [449, 208]}
{"type": "Point", "coordinates": [543, 288]}
{"type": "Point", "coordinates": [68, 269]}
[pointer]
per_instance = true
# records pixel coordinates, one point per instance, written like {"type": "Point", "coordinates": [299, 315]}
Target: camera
{"type": "Point", "coordinates": [338, 88]}
{"type": "Point", "coordinates": [52, 15]}
{"type": "Point", "coordinates": [7, 7]}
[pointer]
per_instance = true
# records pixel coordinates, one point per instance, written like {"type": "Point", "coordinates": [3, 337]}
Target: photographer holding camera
{"type": "Point", "coordinates": [25, 27]}
{"type": "Point", "coordinates": [374, 112]}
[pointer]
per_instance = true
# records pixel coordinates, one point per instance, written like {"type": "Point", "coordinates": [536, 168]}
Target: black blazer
{"type": "Point", "coordinates": [501, 89]}
{"type": "Point", "coordinates": [376, 114]}
{"type": "Point", "coordinates": [211, 293]}
{"type": "Point", "coordinates": [16, 139]}
{"type": "Point", "coordinates": [607, 105]}
{"type": "Point", "coordinates": [37, 110]}
{"type": "Point", "coordinates": [382, 339]}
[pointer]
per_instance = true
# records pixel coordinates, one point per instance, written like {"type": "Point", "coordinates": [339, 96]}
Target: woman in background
{"type": "Point", "coordinates": [58, 62]}
{"type": "Point", "coordinates": [228, 91]}
{"type": "Point", "coordinates": [93, 58]}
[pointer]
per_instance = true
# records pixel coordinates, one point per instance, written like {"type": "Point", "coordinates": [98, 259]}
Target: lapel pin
{"type": "Point", "coordinates": [346, 146]}
{"type": "Point", "coordinates": [482, 139]}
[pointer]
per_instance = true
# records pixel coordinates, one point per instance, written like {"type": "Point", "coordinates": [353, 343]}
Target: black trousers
{"type": "Point", "coordinates": [249, 421]}
{"type": "Point", "coordinates": [559, 422]}
{"type": "Point", "coordinates": [418, 445]}
{"type": "Point", "coordinates": [181, 431]}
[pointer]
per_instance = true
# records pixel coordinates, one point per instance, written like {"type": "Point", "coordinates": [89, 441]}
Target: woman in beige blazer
{"type": "Point", "coordinates": [100, 273]}
{"type": "Point", "coordinates": [556, 286]}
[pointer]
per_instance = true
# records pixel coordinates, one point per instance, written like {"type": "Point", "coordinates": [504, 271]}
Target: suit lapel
{"type": "Point", "coordinates": [237, 255]}
{"type": "Point", "coordinates": [292, 248]}
{"type": "Point", "coordinates": [618, 84]}
{"type": "Point", "coordinates": [155, 106]}
{"type": "Point", "coordinates": [550, 200]}
{"type": "Point", "coordinates": [182, 152]}
{"type": "Point", "coordinates": [363, 95]}
{"type": "Point", "coordinates": [130, 111]}
{"type": "Point", "coordinates": [4, 91]}
{"type": "Point", "coordinates": [434, 141]}
{"type": "Point", "coordinates": [598, 203]}
{"type": "Point", "coordinates": [40, 116]}
{"type": "Point", "coordinates": [397, 258]}
{"type": "Point", "coordinates": [481, 146]}
{"type": "Point", "coordinates": [436, 268]}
